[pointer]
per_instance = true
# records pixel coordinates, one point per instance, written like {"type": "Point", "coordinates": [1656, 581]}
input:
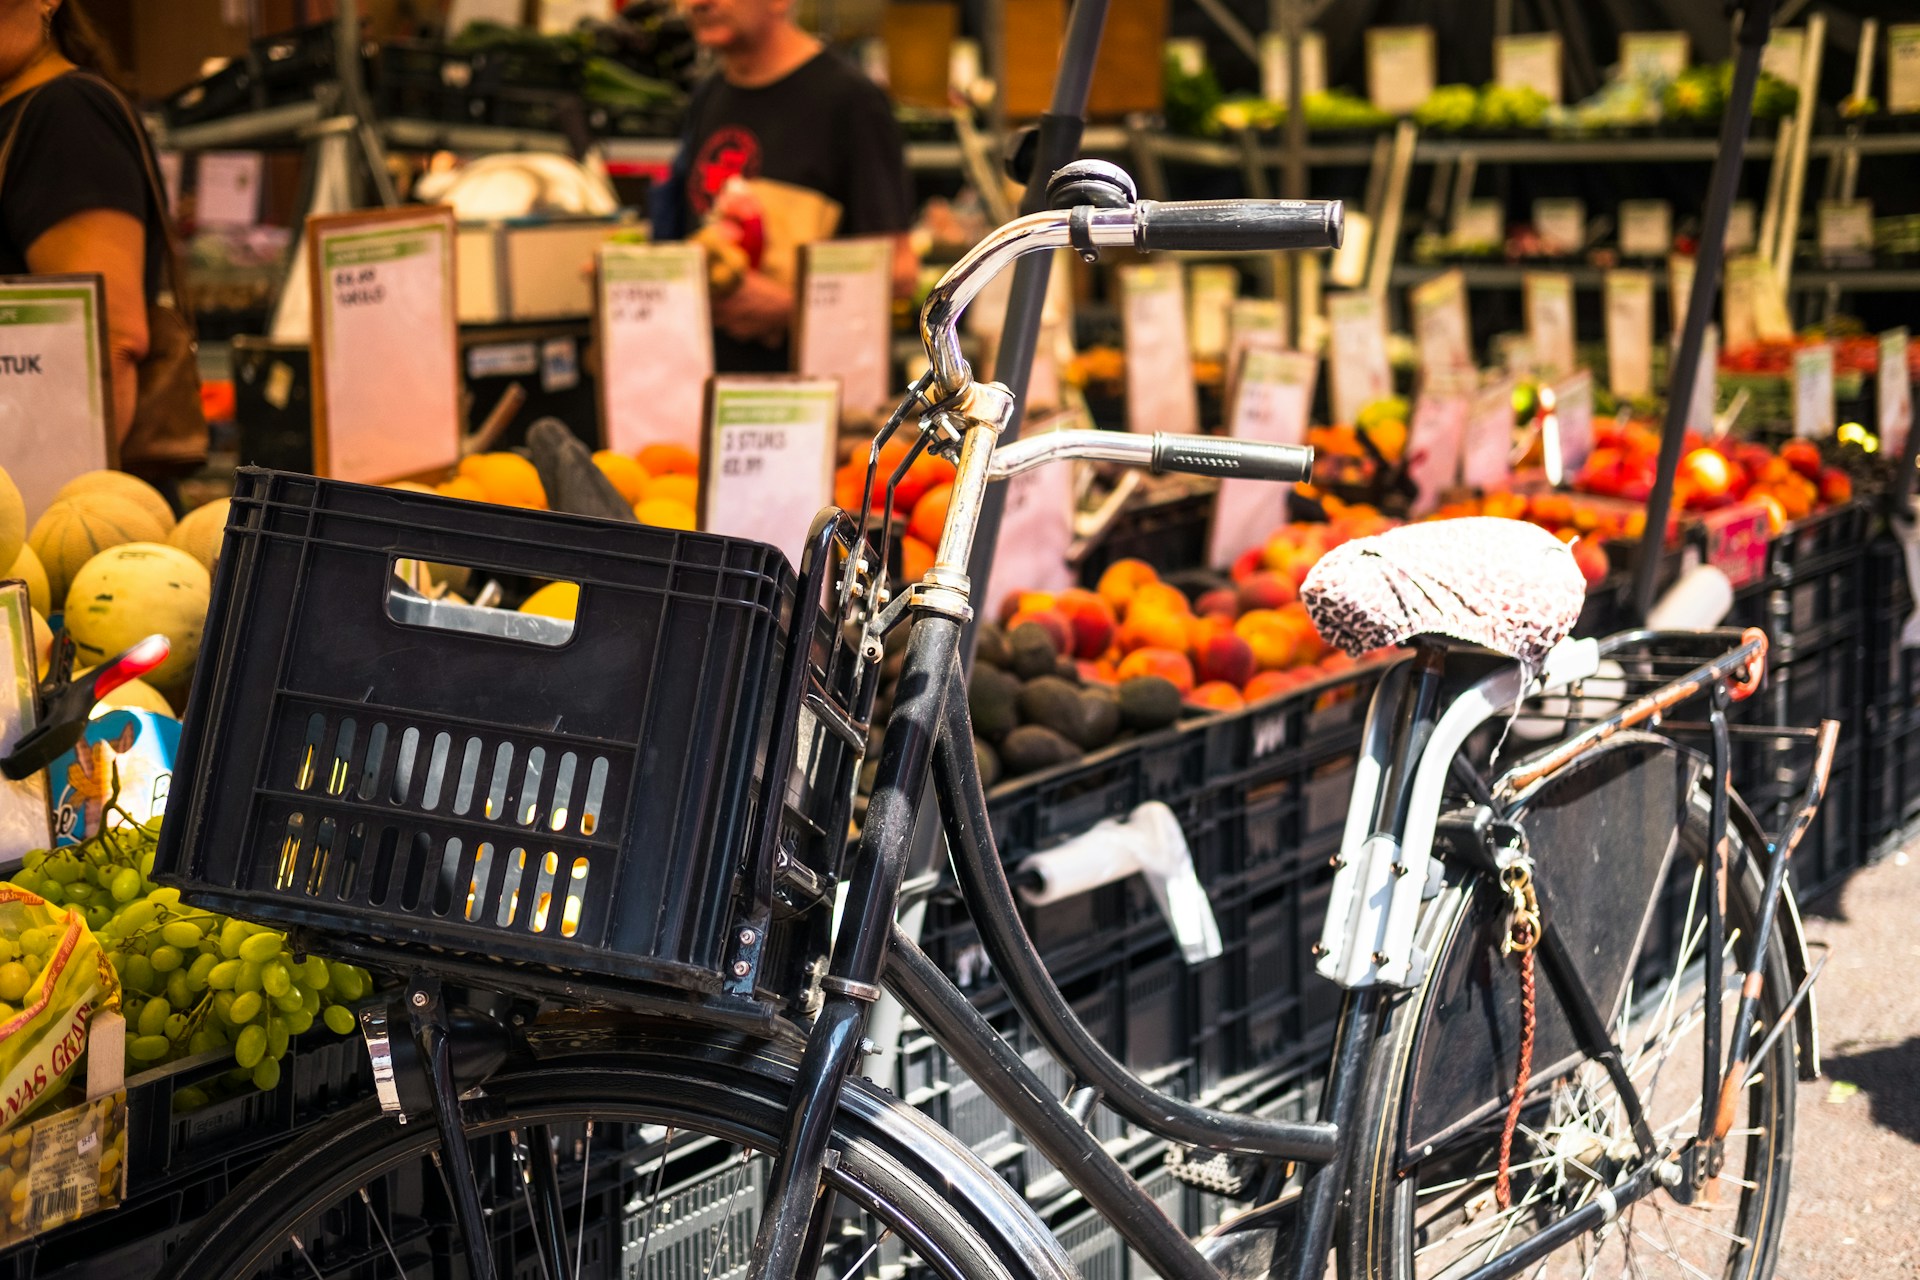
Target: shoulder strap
{"type": "Point", "coordinates": [156, 191]}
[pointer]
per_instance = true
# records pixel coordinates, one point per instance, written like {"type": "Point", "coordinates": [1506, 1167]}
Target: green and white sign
{"type": "Point", "coordinates": [846, 319]}
{"type": "Point", "coordinates": [656, 343]}
{"type": "Point", "coordinates": [767, 464]}
{"type": "Point", "coordinates": [55, 418]}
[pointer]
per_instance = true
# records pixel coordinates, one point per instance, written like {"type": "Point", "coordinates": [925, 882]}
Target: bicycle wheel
{"type": "Point", "coordinates": [660, 1138]}
{"type": "Point", "coordinates": [1423, 1205]}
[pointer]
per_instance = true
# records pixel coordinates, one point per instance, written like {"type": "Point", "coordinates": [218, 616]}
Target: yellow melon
{"type": "Point", "coordinates": [134, 695]}
{"type": "Point", "coordinates": [129, 592]}
{"type": "Point", "coordinates": [121, 485]}
{"type": "Point", "coordinates": [42, 640]}
{"type": "Point", "coordinates": [201, 531]}
{"type": "Point", "coordinates": [13, 518]}
{"type": "Point", "coordinates": [74, 530]}
{"type": "Point", "coordinates": [555, 600]}
{"type": "Point", "coordinates": [27, 568]}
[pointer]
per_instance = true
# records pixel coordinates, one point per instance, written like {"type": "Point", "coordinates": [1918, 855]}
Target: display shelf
{"type": "Point", "coordinates": [297, 123]}
{"type": "Point", "coordinates": [1512, 275]}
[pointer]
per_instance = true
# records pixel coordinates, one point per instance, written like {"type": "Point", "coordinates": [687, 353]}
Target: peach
{"type": "Point", "coordinates": [1224, 658]}
{"type": "Point", "coordinates": [1168, 664]}
{"type": "Point", "coordinates": [1058, 629]}
{"type": "Point", "coordinates": [1337, 661]}
{"type": "Point", "coordinates": [1267, 590]}
{"type": "Point", "coordinates": [1024, 602]}
{"type": "Point", "coordinates": [1122, 579]}
{"type": "Point", "coordinates": [1091, 618]}
{"type": "Point", "coordinates": [1273, 640]}
{"type": "Point", "coordinates": [1592, 559]}
{"type": "Point", "coordinates": [1245, 565]}
{"type": "Point", "coordinates": [1221, 602]}
{"type": "Point", "coordinates": [1273, 684]}
{"type": "Point", "coordinates": [1154, 629]}
{"type": "Point", "coordinates": [1098, 672]}
{"type": "Point", "coordinates": [1218, 695]}
{"type": "Point", "coordinates": [1160, 596]}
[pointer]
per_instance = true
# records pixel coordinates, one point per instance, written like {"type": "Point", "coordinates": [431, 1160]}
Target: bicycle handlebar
{"type": "Point", "coordinates": [1222, 226]}
{"type": "Point", "coordinates": [1159, 452]}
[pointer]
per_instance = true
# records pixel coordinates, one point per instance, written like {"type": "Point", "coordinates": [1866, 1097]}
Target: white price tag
{"type": "Point", "coordinates": [1529, 62]}
{"type": "Point", "coordinates": [766, 458]}
{"type": "Point", "coordinates": [1700, 407]}
{"type": "Point", "coordinates": [1646, 228]}
{"type": "Point", "coordinates": [1753, 308]}
{"type": "Point", "coordinates": [1399, 68]}
{"type": "Point", "coordinates": [1272, 402]}
{"type": "Point", "coordinates": [1561, 224]}
{"type": "Point", "coordinates": [55, 419]}
{"type": "Point", "coordinates": [1740, 227]}
{"type": "Point", "coordinates": [1903, 68]}
{"type": "Point", "coordinates": [1273, 65]}
{"type": "Point", "coordinates": [846, 319]}
{"type": "Point", "coordinates": [1549, 307]}
{"type": "Point", "coordinates": [1442, 332]}
{"type": "Point", "coordinates": [1786, 46]}
{"type": "Point", "coordinates": [1211, 290]}
{"type": "Point", "coordinates": [1486, 462]}
{"type": "Point", "coordinates": [383, 286]}
{"type": "Point", "coordinates": [1679, 289]}
{"type": "Point", "coordinates": [1572, 418]}
{"type": "Point", "coordinates": [1258, 322]}
{"type": "Point", "coordinates": [1629, 312]}
{"type": "Point", "coordinates": [656, 344]}
{"type": "Point", "coordinates": [1653, 55]}
{"type": "Point", "coordinates": [1481, 222]}
{"type": "Point", "coordinates": [1348, 269]}
{"type": "Point", "coordinates": [1161, 395]}
{"type": "Point", "coordinates": [1813, 391]}
{"type": "Point", "coordinates": [227, 193]}
{"type": "Point", "coordinates": [1846, 230]}
{"type": "Point", "coordinates": [1356, 353]}
{"type": "Point", "coordinates": [1434, 440]}
{"type": "Point", "coordinates": [1893, 393]}
{"type": "Point", "coordinates": [1036, 531]}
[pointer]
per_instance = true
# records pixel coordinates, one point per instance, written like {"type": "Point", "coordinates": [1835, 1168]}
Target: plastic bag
{"type": "Point", "coordinates": [43, 1037]}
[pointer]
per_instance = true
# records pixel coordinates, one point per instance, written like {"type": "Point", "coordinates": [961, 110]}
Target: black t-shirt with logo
{"type": "Point", "coordinates": [823, 126]}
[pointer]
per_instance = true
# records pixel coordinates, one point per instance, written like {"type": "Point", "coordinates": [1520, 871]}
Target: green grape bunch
{"type": "Point", "coordinates": [192, 982]}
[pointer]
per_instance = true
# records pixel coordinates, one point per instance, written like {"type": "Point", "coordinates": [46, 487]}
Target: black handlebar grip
{"type": "Point", "coordinates": [1221, 226]}
{"type": "Point", "coordinates": [1232, 459]}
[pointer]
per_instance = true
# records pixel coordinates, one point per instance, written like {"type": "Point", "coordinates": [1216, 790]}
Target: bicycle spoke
{"type": "Point", "coordinates": [312, 1266]}
{"type": "Point", "coordinates": [586, 1168]}
{"type": "Point", "coordinates": [399, 1270]}
{"type": "Point", "coordinates": [861, 1261]}
{"type": "Point", "coordinates": [723, 1230]}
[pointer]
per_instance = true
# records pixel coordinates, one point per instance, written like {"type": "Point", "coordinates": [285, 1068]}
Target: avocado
{"type": "Point", "coordinates": [1099, 718]}
{"type": "Point", "coordinates": [1068, 669]}
{"type": "Point", "coordinates": [987, 760]}
{"type": "Point", "coordinates": [991, 646]}
{"type": "Point", "coordinates": [1033, 653]}
{"type": "Point", "coordinates": [1031, 748]}
{"type": "Point", "coordinates": [1149, 702]}
{"type": "Point", "coordinates": [1052, 702]}
{"type": "Point", "coordinates": [992, 700]}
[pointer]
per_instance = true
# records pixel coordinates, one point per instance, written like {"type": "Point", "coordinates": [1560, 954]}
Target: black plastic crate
{"type": "Point", "coordinates": [418, 81]}
{"type": "Point", "coordinates": [1808, 687]}
{"type": "Point", "coordinates": [295, 63]}
{"type": "Point", "coordinates": [1803, 608]}
{"type": "Point", "coordinates": [1890, 780]}
{"type": "Point", "coordinates": [1170, 534]}
{"type": "Point", "coordinates": [355, 765]}
{"type": "Point", "coordinates": [230, 91]}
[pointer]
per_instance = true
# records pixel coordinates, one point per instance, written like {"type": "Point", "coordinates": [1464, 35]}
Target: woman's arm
{"type": "Point", "coordinates": [113, 245]}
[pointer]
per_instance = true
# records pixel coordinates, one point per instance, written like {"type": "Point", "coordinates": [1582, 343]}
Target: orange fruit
{"type": "Point", "coordinates": [462, 487]}
{"type": "Point", "coordinates": [672, 487]}
{"type": "Point", "coordinates": [666, 514]}
{"type": "Point", "coordinates": [670, 459]}
{"type": "Point", "coordinates": [930, 515]}
{"type": "Point", "coordinates": [506, 478]}
{"type": "Point", "coordinates": [916, 557]}
{"type": "Point", "coordinates": [627, 476]}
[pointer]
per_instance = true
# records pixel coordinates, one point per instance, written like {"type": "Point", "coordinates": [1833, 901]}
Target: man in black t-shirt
{"type": "Point", "coordinates": [783, 108]}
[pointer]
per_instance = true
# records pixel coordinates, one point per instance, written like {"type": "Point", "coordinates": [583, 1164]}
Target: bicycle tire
{"type": "Point", "coordinates": [890, 1161]}
{"type": "Point", "coordinates": [1392, 1235]}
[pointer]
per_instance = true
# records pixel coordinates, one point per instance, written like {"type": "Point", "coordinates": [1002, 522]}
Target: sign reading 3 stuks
{"type": "Point", "coordinates": [766, 460]}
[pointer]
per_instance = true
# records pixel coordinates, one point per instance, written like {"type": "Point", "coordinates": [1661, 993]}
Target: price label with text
{"type": "Point", "coordinates": [1646, 228]}
{"type": "Point", "coordinates": [1211, 290]}
{"type": "Point", "coordinates": [1781, 58]}
{"type": "Point", "coordinates": [1737, 541]}
{"type": "Point", "coordinates": [1273, 65]}
{"type": "Point", "coordinates": [1845, 229]}
{"type": "Point", "coordinates": [1740, 227]}
{"type": "Point", "coordinates": [1753, 309]}
{"type": "Point", "coordinates": [1273, 401]}
{"type": "Point", "coordinates": [1813, 391]}
{"type": "Point", "coordinates": [1903, 68]}
{"type": "Point", "coordinates": [1480, 222]}
{"type": "Point", "coordinates": [1679, 289]}
{"type": "Point", "coordinates": [1700, 406]}
{"type": "Point", "coordinates": [1356, 353]}
{"type": "Point", "coordinates": [1893, 393]}
{"type": "Point", "coordinates": [1435, 439]}
{"type": "Point", "coordinates": [1442, 332]}
{"type": "Point", "coordinates": [846, 319]}
{"type": "Point", "coordinates": [1653, 55]}
{"type": "Point", "coordinates": [384, 285]}
{"type": "Point", "coordinates": [1487, 459]}
{"type": "Point", "coordinates": [1629, 313]}
{"type": "Point", "coordinates": [1528, 62]}
{"type": "Point", "coordinates": [1161, 395]}
{"type": "Point", "coordinates": [766, 461]}
{"type": "Point", "coordinates": [1561, 224]}
{"type": "Point", "coordinates": [1549, 307]}
{"type": "Point", "coordinates": [55, 407]}
{"type": "Point", "coordinates": [227, 193]}
{"type": "Point", "coordinates": [656, 344]}
{"type": "Point", "coordinates": [1399, 68]}
{"type": "Point", "coordinates": [1036, 531]}
{"type": "Point", "coordinates": [1572, 437]}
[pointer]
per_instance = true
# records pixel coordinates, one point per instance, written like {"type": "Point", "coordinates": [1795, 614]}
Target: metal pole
{"type": "Point", "coordinates": [1721, 186]}
{"type": "Point", "coordinates": [1294, 175]}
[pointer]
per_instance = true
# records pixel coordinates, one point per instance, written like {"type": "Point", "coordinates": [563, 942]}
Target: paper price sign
{"type": "Point", "coordinates": [1561, 224]}
{"type": "Point", "coordinates": [1653, 55]}
{"type": "Point", "coordinates": [1481, 222]}
{"type": "Point", "coordinates": [1036, 530]}
{"type": "Point", "coordinates": [1486, 460]}
{"type": "Point", "coordinates": [1573, 423]}
{"type": "Point", "coordinates": [1679, 289]}
{"type": "Point", "coordinates": [1893, 393]}
{"type": "Point", "coordinates": [1700, 406]}
{"type": "Point", "coordinates": [1646, 228]}
{"type": "Point", "coordinates": [1846, 231]}
{"type": "Point", "coordinates": [1903, 68]}
{"type": "Point", "coordinates": [1442, 332]}
{"type": "Point", "coordinates": [1434, 441]}
{"type": "Point", "coordinates": [1740, 227]}
{"type": "Point", "coordinates": [1252, 322]}
{"type": "Point", "coordinates": [1161, 395]}
{"type": "Point", "coordinates": [1549, 307]}
{"type": "Point", "coordinates": [1737, 541]}
{"type": "Point", "coordinates": [1629, 312]}
{"type": "Point", "coordinates": [1528, 62]}
{"type": "Point", "coordinates": [1273, 65]}
{"type": "Point", "coordinates": [54, 392]}
{"type": "Point", "coordinates": [846, 318]}
{"type": "Point", "coordinates": [656, 344]}
{"type": "Point", "coordinates": [383, 286]}
{"type": "Point", "coordinates": [1753, 309]}
{"type": "Point", "coordinates": [1357, 353]}
{"type": "Point", "coordinates": [1211, 288]}
{"type": "Point", "coordinates": [1399, 68]}
{"type": "Point", "coordinates": [1272, 403]}
{"type": "Point", "coordinates": [766, 461]}
{"type": "Point", "coordinates": [1813, 391]}
{"type": "Point", "coordinates": [1783, 53]}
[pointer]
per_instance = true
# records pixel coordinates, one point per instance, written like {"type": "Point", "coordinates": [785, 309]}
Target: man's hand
{"type": "Point", "coordinates": [758, 309]}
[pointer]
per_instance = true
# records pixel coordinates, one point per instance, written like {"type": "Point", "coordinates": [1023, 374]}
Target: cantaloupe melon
{"type": "Point", "coordinates": [74, 530]}
{"type": "Point", "coordinates": [201, 531]}
{"type": "Point", "coordinates": [129, 592]}
{"type": "Point", "coordinates": [134, 695]}
{"type": "Point", "coordinates": [13, 518]}
{"type": "Point", "coordinates": [121, 485]}
{"type": "Point", "coordinates": [27, 568]}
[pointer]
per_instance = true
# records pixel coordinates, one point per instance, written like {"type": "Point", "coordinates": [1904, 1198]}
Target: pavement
{"type": "Point", "coordinates": [1854, 1209]}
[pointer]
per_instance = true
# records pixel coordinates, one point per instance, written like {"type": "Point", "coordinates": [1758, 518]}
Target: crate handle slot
{"type": "Point", "coordinates": [411, 608]}
{"type": "Point", "coordinates": [562, 792]}
{"type": "Point", "coordinates": [510, 888]}
{"type": "Point", "coordinates": [543, 890]}
{"type": "Point", "coordinates": [497, 792]}
{"type": "Point", "coordinates": [469, 769]}
{"type": "Point", "coordinates": [477, 886]}
{"type": "Point", "coordinates": [596, 795]}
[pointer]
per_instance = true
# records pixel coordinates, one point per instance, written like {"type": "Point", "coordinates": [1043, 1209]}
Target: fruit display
{"type": "Point", "coordinates": [1327, 111]}
{"type": "Point", "coordinates": [192, 982]}
{"type": "Point", "coordinates": [1699, 95]}
{"type": "Point", "coordinates": [1586, 525]}
{"type": "Point", "coordinates": [1793, 482]}
{"type": "Point", "coordinates": [661, 482]}
{"type": "Point", "coordinates": [1459, 108]}
{"type": "Point", "coordinates": [919, 500]}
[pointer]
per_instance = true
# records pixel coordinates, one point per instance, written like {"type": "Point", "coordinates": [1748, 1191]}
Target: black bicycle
{"type": "Point", "coordinates": [1575, 995]}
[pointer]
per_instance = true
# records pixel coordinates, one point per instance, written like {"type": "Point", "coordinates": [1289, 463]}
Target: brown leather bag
{"type": "Point", "coordinates": [169, 433]}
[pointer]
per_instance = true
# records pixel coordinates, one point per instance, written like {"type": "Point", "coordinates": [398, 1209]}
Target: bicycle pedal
{"type": "Point", "coordinates": [1223, 1174]}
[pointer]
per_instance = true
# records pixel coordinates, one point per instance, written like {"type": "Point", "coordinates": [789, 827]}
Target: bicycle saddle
{"type": "Point", "coordinates": [1504, 585]}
